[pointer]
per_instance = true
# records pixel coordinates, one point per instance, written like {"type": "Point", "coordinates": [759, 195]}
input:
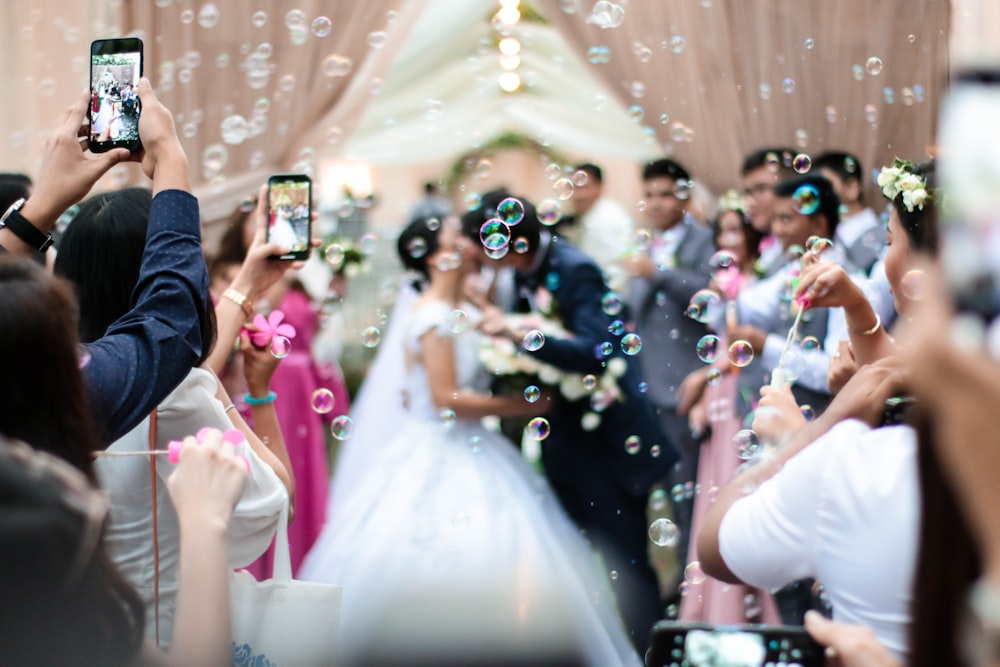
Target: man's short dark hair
{"type": "Point", "coordinates": [773, 157]}
{"type": "Point", "coordinates": [592, 170]}
{"type": "Point", "coordinates": [664, 168]}
{"type": "Point", "coordinates": [530, 227]}
{"type": "Point", "coordinates": [829, 202]}
{"type": "Point", "coordinates": [845, 165]}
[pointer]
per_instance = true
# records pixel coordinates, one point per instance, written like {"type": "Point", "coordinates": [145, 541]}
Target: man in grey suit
{"type": "Point", "coordinates": [663, 278]}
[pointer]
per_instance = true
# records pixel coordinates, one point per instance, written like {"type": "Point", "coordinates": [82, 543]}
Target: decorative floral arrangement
{"type": "Point", "coordinates": [899, 178]}
{"type": "Point", "coordinates": [503, 357]}
{"type": "Point", "coordinates": [343, 254]}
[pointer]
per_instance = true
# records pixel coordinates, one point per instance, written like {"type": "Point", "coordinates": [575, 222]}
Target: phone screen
{"type": "Point", "coordinates": [969, 167]}
{"type": "Point", "coordinates": [703, 645]}
{"type": "Point", "coordinates": [115, 68]}
{"type": "Point", "coordinates": [289, 218]}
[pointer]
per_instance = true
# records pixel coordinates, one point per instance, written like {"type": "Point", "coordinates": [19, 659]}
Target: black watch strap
{"type": "Point", "coordinates": [24, 230]}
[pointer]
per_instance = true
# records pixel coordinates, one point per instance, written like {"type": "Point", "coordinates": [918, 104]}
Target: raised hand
{"type": "Point", "coordinates": [848, 645]}
{"type": "Point", "coordinates": [777, 415]}
{"type": "Point", "coordinates": [208, 481]}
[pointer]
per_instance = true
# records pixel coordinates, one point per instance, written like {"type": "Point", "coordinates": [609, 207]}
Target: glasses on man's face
{"type": "Point", "coordinates": [757, 190]}
{"type": "Point", "coordinates": [76, 493]}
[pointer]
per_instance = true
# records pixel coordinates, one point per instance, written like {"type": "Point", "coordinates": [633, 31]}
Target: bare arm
{"type": "Point", "coordinates": [439, 359]}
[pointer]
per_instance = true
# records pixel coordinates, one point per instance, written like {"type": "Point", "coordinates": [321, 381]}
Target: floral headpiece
{"type": "Point", "coordinates": [899, 178]}
{"type": "Point", "coordinates": [731, 200]}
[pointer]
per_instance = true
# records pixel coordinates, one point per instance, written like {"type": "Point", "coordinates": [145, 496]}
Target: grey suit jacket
{"type": "Point", "coordinates": [658, 306]}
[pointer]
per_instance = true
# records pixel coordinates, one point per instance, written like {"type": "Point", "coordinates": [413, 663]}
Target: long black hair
{"type": "Point", "coordinates": [417, 243]}
{"type": "Point", "coordinates": [101, 254]}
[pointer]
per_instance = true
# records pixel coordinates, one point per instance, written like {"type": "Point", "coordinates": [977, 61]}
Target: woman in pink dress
{"type": "Point", "coordinates": [303, 413]}
{"type": "Point", "coordinates": [704, 599]}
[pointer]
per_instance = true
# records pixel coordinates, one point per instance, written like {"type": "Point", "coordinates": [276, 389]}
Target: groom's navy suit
{"type": "Point", "coordinates": [602, 486]}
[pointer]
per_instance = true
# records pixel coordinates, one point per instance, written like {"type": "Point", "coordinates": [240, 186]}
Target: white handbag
{"type": "Point", "coordinates": [282, 622]}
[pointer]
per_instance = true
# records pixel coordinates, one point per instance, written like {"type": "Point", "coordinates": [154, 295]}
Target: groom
{"type": "Point", "coordinates": [603, 473]}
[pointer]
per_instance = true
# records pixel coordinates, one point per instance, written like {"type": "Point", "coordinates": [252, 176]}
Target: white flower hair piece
{"type": "Point", "coordinates": [900, 179]}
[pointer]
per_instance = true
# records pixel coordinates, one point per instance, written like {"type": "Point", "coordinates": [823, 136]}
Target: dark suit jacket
{"type": "Point", "coordinates": [577, 287]}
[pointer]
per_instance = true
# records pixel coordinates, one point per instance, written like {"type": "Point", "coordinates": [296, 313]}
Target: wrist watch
{"type": "Point", "coordinates": [23, 229]}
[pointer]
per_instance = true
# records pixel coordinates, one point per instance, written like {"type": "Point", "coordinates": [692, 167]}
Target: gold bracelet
{"type": "Point", "coordinates": [240, 300]}
{"type": "Point", "coordinates": [869, 332]}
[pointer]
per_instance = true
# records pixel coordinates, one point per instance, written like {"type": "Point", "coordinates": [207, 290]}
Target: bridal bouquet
{"type": "Point", "coordinates": [503, 357]}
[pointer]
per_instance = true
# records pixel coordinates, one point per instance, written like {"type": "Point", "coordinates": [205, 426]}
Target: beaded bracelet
{"type": "Point", "coordinates": [264, 400]}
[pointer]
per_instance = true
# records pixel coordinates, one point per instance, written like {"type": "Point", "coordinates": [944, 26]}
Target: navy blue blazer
{"type": "Point", "coordinates": [577, 287]}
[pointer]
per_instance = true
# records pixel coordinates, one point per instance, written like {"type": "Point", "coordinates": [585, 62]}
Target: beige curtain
{"type": "Point", "coordinates": [258, 88]}
{"type": "Point", "coordinates": [734, 75]}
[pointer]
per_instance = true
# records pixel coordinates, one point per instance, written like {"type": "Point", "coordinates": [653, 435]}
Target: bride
{"type": "Point", "coordinates": [447, 504]}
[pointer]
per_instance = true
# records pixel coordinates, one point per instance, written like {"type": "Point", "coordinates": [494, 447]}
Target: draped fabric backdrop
{"type": "Point", "coordinates": [735, 75]}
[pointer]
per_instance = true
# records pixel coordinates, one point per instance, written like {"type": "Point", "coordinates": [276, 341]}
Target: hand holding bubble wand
{"type": "Point", "coordinates": [174, 447]}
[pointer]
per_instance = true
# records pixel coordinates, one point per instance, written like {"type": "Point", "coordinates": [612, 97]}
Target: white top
{"type": "Point", "coordinates": [606, 233]}
{"type": "Point", "coordinates": [129, 539]}
{"type": "Point", "coordinates": [845, 511]}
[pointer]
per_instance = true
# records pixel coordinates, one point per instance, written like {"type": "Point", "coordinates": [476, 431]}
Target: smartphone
{"type": "Point", "coordinates": [703, 645]}
{"type": "Point", "coordinates": [969, 174]}
{"type": "Point", "coordinates": [289, 214]}
{"type": "Point", "coordinates": [115, 68]}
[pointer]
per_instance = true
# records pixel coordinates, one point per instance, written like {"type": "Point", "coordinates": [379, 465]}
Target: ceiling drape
{"type": "Point", "coordinates": [716, 79]}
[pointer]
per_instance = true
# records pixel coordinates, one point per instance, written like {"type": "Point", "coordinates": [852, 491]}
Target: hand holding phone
{"type": "Point", "coordinates": [115, 68]}
{"type": "Point", "coordinates": [705, 645]}
{"type": "Point", "coordinates": [289, 214]}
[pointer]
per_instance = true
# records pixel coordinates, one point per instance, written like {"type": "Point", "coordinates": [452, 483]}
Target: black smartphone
{"type": "Point", "coordinates": [115, 68]}
{"type": "Point", "coordinates": [703, 645]}
{"type": "Point", "coordinates": [289, 214]}
{"type": "Point", "coordinates": [969, 174]}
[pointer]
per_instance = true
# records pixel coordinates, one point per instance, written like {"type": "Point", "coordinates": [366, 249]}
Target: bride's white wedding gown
{"type": "Point", "coordinates": [447, 501]}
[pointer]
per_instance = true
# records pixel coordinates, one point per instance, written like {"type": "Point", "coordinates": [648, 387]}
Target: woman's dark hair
{"type": "Point", "coordinates": [751, 237]}
{"type": "Point", "coordinates": [101, 254]}
{"type": "Point", "coordinates": [46, 405]}
{"type": "Point", "coordinates": [947, 563]}
{"type": "Point", "coordinates": [232, 247]}
{"type": "Point", "coordinates": [417, 242]}
{"type": "Point", "coordinates": [921, 225]}
{"type": "Point", "coordinates": [57, 614]}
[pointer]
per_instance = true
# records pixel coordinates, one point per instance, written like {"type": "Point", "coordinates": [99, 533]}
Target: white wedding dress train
{"type": "Point", "coordinates": [447, 501]}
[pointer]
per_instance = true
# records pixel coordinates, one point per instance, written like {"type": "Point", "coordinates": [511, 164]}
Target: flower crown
{"type": "Point", "coordinates": [900, 178]}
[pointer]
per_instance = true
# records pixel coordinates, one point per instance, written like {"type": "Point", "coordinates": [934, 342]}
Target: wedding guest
{"type": "Point", "coordinates": [662, 280]}
{"type": "Point", "coordinates": [860, 233]}
{"type": "Point", "coordinates": [101, 254]}
{"type": "Point", "coordinates": [146, 353]}
{"type": "Point", "coordinates": [66, 603]}
{"type": "Point", "coordinates": [762, 170]}
{"type": "Point", "coordinates": [604, 227]}
{"type": "Point", "coordinates": [601, 481]}
{"type": "Point", "coordinates": [714, 601]}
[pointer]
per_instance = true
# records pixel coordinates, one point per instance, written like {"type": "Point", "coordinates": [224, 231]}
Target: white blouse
{"type": "Point", "coordinates": [845, 510]}
{"type": "Point", "coordinates": [129, 538]}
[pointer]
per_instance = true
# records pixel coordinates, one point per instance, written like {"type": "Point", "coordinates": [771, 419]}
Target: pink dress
{"type": "Point", "coordinates": [295, 380]}
{"type": "Point", "coordinates": [714, 601]}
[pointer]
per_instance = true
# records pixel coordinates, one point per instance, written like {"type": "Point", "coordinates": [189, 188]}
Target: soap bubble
{"type": "Point", "coordinates": [747, 444]}
{"type": "Point", "coordinates": [740, 353]}
{"type": "Point", "coordinates": [494, 234]}
{"type": "Point", "coordinates": [579, 178]}
{"type": "Point", "coordinates": [538, 428]}
{"type": "Point", "coordinates": [709, 347]}
{"type": "Point", "coordinates": [458, 321]}
{"type": "Point", "coordinates": [633, 444]}
{"type": "Point", "coordinates": [611, 304]}
{"type": "Point", "coordinates": [713, 377]}
{"type": "Point", "coordinates": [532, 393]}
{"type": "Point", "coordinates": [693, 573]}
{"type": "Point", "coordinates": [631, 344]}
{"type": "Point", "coordinates": [258, 19]}
{"type": "Point", "coordinates": [809, 343]}
{"type": "Point", "coordinates": [818, 244]}
{"type": "Point", "coordinates": [321, 26]}
{"type": "Point", "coordinates": [913, 285]}
{"type": "Point", "coordinates": [447, 417]}
{"type": "Point", "coordinates": [416, 247]}
{"type": "Point", "coordinates": [510, 211]}
{"type": "Point", "coordinates": [874, 65]}
{"type": "Point", "coordinates": [616, 328]}
{"type": "Point", "coordinates": [802, 163]}
{"type": "Point", "coordinates": [370, 337]}
{"type": "Point", "coordinates": [208, 16]}
{"type": "Point", "coordinates": [280, 347]}
{"type": "Point", "coordinates": [377, 39]}
{"type": "Point", "coordinates": [664, 533]}
{"type": "Point", "coordinates": [677, 44]}
{"type": "Point", "coordinates": [723, 259]}
{"type": "Point", "coordinates": [563, 188]}
{"type": "Point", "coordinates": [806, 199]}
{"type": "Point", "coordinates": [342, 427]}
{"type": "Point", "coordinates": [334, 255]}
{"type": "Point", "coordinates": [322, 401]}
{"type": "Point", "coordinates": [213, 159]}
{"type": "Point", "coordinates": [533, 340]}
{"type": "Point", "coordinates": [549, 211]}
{"type": "Point", "coordinates": [589, 382]}
{"type": "Point", "coordinates": [704, 305]}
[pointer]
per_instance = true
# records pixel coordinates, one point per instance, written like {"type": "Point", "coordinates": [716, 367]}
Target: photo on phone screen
{"type": "Point", "coordinates": [115, 68]}
{"type": "Point", "coordinates": [703, 645]}
{"type": "Point", "coordinates": [288, 214]}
